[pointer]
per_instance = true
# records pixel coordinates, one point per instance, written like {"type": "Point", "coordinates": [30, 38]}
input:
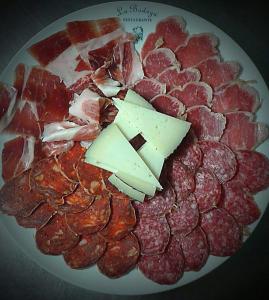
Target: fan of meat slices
{"type": "Point", "coordinates": [58, 107]}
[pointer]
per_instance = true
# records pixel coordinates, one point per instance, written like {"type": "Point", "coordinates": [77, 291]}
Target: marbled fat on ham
{"type": "Point", "coordinates": [169, 105]}
{"type": "Point", "coordinates": [149, 88]}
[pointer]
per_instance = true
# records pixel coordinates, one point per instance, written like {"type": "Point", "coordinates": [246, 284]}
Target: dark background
{"type": "Point", "coordinates": [246, 274]}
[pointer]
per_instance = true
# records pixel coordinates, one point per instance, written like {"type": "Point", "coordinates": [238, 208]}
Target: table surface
{"type": "Point", "coordinates": [246, 274]}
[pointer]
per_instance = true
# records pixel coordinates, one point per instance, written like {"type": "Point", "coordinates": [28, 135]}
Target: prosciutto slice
{"type": "Point", "coordinates": [149, 88]}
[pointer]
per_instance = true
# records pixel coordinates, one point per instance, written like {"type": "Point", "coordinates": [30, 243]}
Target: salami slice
{"type": "Point", "coordinates": [149, 88]}
{"type": "Point", "coordinates": [253, 170]}
{"type": "Point", "coordinates": [207, 189]}
{"type": "Point", "coordinates": [185, 217]}
{"type": "Point", "coordinates": [166, 268]}
{"type": "Point", "coordinates": [122, 220]}
{"type": "Point", "coordinates": [92, 219]}
{"type": "Point", "coordinates": [160, 204]}
{"type": "Point", "coordinates": [195, 249]}
{"type": "Point", "coordinates": [223, 233]}
{"type": "Point", "coordinates": [55, 237]}
{"type": "Point", "coordinates": [168, 105]}
{"type": "Point", "coordinates": [90, 177]}
{"type": "Point", "coordinates": [86, 253]}
{"type": "Point", "coordinates": [69, 160]}
{"type": "Point", "coordinates": [182, 179]}
{"type": "Point", "coordinates": [120, 257]}
{"type": "Point", "coordinates": [207, 125]}
{"type": "Point", "coordinates": [17, 198]}
{"type": "Point", "coordinates": [153, 234]}
{"type": "Point", "coordinates": [40, 217]}
{"type": "Point", "coordinates": [47, 176]}
{"type": "Point", "coordinates": [219, 159]}
{"type": "Point", "coordinates": [239, 203]}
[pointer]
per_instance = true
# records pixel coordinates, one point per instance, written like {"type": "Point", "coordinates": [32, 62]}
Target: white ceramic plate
{"type": "Point", "coordinates": [144, 15]}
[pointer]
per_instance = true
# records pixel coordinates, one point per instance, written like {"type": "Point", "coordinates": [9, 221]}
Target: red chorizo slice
{"type": "Point", "coordinates": [46, 175]}
{"type": "Point", "coordinates": [17, 198]}
{"type": "Point", "coordinates": [153, 234]}
{"type": "Point", "coordinates": [42, 214]}
{"type": "Point", "coordinates": [122, 220]}
{"type": "Point", "coordinates": [56, 237]}
{"type": "Point", "coordinates": [87, 252]}
{"type": "Point", "coordinates": [223, 233]}
{"type": "Point", "coordinates": [166, 268]}
{"type": "Point", "coordinates": [92, 219]}
{"type": "Point", "coordinates": [120, 257]}
{"type": "Point", "coordinates": [69, 160]}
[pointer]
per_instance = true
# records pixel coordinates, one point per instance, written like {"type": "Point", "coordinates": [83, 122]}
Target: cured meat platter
{"type": "Point", "coordinates": [184, 231]}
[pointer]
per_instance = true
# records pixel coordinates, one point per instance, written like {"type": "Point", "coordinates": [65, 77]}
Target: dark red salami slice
{"type": "Point", "coordinates": [149, 88]}
{"type": "Point", "coordinates": [86, 253]}
{"type": "Point", "coordinates": [207, 125]}
{"type": "Point", "coordinates": [168, 105]}
{"type": "Point", "coordinates": [17, 198]}
{"type": "Point", "coordinates": [160, 204]}
{"type": "Point", "coordinates": [90, 177]}
{"type": "Point", "coordinates": [207, 189]}
{"type": "Point", "coordinates": [122, 220]}
{"type": "Point", "coordinates": [41, 215]}
{"type": "Point", "coordinates": [219, 159]}
{"type": "Point", "coordinates": [253, 170]}
{"type": "Point", "coordinates": [92, 219]}
{"type": "Point", "coordinates": [223, 233]}
{"type": "Point", "coordinates": [76, 202]}
{"type": "Point", "coordinates": [120, 257]}
{"type": "Point", "coordinates": [47, 177]}
{"type": "Point", "coordinates": [185, 217]}
{"type": "Point", "coordinates": [55, 237]}
{"type": "Point", "coordinates": [182, 179]}
{"type": "Point", "coordinates": [252, 136]}
{"type": "Point", "coordinates": [69, 160]}
{"type": "Point", "coordinates": [239, 203]}
{"type": "Point", "coordinates": [153, 234]}
{"type": "Point", "coordinates": [166, 268]}
{"type": "Point", "coordinates": [195, 249]}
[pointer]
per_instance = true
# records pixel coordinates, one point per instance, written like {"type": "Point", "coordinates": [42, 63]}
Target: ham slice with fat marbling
{"type": "Point", "coordinates": [149, 88]}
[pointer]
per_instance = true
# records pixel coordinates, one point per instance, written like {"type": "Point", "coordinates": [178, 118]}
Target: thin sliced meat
{"type": "Point", "coordinates": [90, 178]}
{"type": "Point", "coordinates": [49, 180]}
{"type": "Point", "coordinates": [198, 48]}
{"type": "Point", "coordinates": [239, 203]}
{"type": "Point", "coordinates": [182, 179]}
{"type": "Point", "coordinates": [185, 217]}
{"type": "Point", "coordinates": [120, 257]}
{"type": "Point", "coordinates": [166, 268]}
{"type": "Point", "coordinates": [18, 198]}
{"type": "Point", "coordinates": [86, 253]}
{"type": "Point", "coordinates": [122, 220]}
{"type": "Point", "coordinates": [160, 204]}
{"type": "Point", "coordinates": [252, 136]}
{"type": "Point", "coordinates": [173, 77]}
{"type": "Point", "coordinates": [149, 88]}
{"type": "Point", "coordinates": [253, 170]}
{"type": "Point", "coordinates": [55, 237]}
{"type": "Point", "coordinates": [17, 156]}
{"type": "Point", "coordinates": [223, 233]}
{"type": "Point", "coordinates": [193, 93]}
{"type": "Point", "coordinates": [236, 96]}
{"type": "Point", "coordinates": [219, 159]}
{"type": "Point", "coordinates": [153, 234]}
{"type": "Point", "coordinates": [170, 32]}
{"type": "Point", "coordinates": [217, 73]}
{"type": "Point", "coordinates": [157, 60]}
{"type": "Point", "coordinates": [168, 105]}
{"type": "Point", "coordinates": [56, 148]}
{"type": "Point", "coordinates": [66, 131]}
{"type": "Point", "coordinates": [92, 219]}
{"type": "Point", "coordinates": [195, 249]}
{"type": "Point", "coordinates": [69, 160]}
{"type": "Point", "coordinates": [207, 125]}
{"type": "Point", "coordinates": [40, 217]}
{"type": "Point", "coordinates": [207, 189]}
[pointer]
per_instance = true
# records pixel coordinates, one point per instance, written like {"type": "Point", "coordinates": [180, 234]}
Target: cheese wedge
{"type": "Point", "coordinates": [134, 98]}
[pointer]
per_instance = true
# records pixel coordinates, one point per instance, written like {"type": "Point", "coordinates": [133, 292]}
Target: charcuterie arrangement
{"type": "Point", "coordinates": [59, 107]}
